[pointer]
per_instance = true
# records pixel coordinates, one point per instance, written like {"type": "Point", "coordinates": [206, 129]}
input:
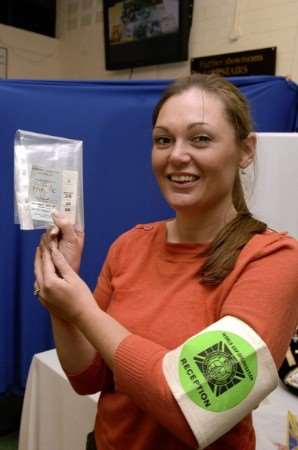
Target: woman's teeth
{"type": "Point", "coordinates": [183, 178]}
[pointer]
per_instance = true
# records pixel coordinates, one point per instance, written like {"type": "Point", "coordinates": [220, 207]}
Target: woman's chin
{"type": "Point", "coordinates": [185, 207]}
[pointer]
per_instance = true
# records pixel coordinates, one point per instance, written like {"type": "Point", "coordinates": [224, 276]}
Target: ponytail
{"type": "Point", "coordinates": [226, 246]}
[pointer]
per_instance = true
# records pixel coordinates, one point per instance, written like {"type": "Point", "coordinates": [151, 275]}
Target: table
{"type": "Point", "coordinates": [271, 419]}
{"type": "Point", "coordinates": [56, 418]}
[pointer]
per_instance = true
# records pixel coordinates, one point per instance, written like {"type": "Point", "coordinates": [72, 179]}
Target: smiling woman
{"type": "Point", "coordinates": [185, 328]}
{"type": "Point", "coordinates": [202, 137]}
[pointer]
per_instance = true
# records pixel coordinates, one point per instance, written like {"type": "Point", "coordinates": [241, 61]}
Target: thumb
{"type": "Point", "coordinates": [61, 264]}
{"type": "Point", "coordinates": [62, 223]}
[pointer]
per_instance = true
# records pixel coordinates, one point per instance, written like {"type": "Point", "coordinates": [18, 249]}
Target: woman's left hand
{"type": "Point", "coordinates": [61, 290]}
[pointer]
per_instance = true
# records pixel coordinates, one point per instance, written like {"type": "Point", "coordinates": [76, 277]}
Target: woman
{"type": "Point", "coordinates": [186, 326]}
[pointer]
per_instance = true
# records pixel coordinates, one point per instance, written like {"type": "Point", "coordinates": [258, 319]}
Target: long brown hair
{"type": "Point", "coordinates": [227, 244]}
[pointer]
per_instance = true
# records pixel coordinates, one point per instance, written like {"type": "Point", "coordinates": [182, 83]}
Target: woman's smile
{"type": "Point", "coordinates": [183, 179]}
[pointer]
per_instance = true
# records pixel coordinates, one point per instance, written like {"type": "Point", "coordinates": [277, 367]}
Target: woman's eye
{"type": "Point", "coordinates": [161, 141]}
{"type": "Point", "coordinates": [201, 139]}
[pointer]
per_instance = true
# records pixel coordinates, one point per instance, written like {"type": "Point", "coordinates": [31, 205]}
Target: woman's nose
{"type": "Point", "coordinates": [179, 153]}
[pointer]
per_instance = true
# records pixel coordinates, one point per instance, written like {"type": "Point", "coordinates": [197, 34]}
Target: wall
{"type": "Point", "coordinates": [219, 26]}
{"type": "Point", "coordinates": [258, 24]}
{"type": "Point", "coordinates": [30, 55]}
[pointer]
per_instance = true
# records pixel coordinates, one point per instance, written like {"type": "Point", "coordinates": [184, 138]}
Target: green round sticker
{"type": "Point", "coordinates": [217, 370]}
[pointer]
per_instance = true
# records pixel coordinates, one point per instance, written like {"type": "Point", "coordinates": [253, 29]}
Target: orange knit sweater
{"type": "Point", "coordinates": [151, 287]}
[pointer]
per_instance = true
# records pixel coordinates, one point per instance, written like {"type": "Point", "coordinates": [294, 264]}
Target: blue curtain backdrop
{"type": "Point", "coordinates": [114, 121]}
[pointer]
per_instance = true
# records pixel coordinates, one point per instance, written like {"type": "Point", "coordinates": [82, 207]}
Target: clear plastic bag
{"type": "Point", "coordinates": [48, 176]}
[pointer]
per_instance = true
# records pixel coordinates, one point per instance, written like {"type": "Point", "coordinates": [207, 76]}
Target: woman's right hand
{"type": "Point", "coordinates": [69, 240]}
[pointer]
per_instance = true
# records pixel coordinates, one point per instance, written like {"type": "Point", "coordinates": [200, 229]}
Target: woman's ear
{"type": "Point", "coordinates": [248, 151]}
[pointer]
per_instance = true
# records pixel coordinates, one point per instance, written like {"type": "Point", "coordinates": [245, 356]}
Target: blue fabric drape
{"type": "Point", "coordinates": [114, 121]}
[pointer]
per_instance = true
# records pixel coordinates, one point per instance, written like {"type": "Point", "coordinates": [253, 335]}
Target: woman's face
{"type": "Point", "coordinates": [195, 155]}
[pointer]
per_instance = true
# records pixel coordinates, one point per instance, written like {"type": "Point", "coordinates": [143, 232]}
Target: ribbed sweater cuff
{"type": "Point", "coordinates": [138, 374]}
{"type": "Point", "coordinates": [134, 360]}
{"type": "Point", "coordinates": [94, 364]}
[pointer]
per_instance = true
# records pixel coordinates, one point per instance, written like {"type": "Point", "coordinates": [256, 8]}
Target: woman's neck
{"type": "Point", "coordinates": [199, 228]}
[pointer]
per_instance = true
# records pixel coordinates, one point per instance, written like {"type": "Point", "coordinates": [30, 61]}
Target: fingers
{"type": "Point", "coordinates": [66, 228]}
{"type": "Point", "coordinates": [62, 292]}
{"type": "Point", "coordinates": [62, 266]}
{"type": "Point", "coordinates": [43, 268]}
{"type": "Point", "coordinates": [45, 273]}
{"type": "Point", "coordinates": [48, 267]}
{"type": "Point", "coordinates": [38, 271]}
{"type": "Point", "coordinates": [54, 231]}
{"type": "Point", "coordinates": [49, 239]}
{"type": "Point", "coordinates": [53, 264]}
{"type": "Point", "coordinates": [70, 233]}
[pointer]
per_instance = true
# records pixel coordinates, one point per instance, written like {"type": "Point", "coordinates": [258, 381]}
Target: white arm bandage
{"type": "Point", "coordinates": [219, 376]}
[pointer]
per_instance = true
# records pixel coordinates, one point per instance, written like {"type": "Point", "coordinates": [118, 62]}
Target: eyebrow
{"type": "Point", "coordinates": [192, 125]}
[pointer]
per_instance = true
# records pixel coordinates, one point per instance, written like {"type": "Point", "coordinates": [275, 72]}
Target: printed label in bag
{"type": "Point", "coordinates": [69, 194]}
{"type": "Point", "coordinates": [44, 192]}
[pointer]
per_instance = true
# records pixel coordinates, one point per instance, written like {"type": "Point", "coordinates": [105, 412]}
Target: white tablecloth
{"type": "Point", "coordinates": [56, 418]}
{"type": "Point", "coordinates": [271, 419]}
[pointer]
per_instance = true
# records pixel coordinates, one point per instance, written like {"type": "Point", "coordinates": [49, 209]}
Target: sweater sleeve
{"type": "Point", "coordinates": [138, 373]}
{"type": "Point", "coordinates": [264, 296]}
{"type": "Point", "coordinates": [93, 379]}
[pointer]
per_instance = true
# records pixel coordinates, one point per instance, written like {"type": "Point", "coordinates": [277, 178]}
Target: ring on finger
{"type": "Point", "coordinates": [36, 290]}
